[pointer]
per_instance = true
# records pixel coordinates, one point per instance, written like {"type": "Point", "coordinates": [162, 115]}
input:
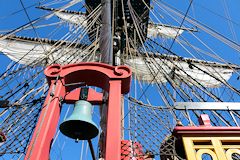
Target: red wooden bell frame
{"type": "Point", "coordinates": [113, 79]}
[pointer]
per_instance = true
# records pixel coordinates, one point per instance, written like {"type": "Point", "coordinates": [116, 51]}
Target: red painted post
{"type": "Point", "coordinates": [113, 135]}
{"type": "Point", "coordinates": [40, 144]}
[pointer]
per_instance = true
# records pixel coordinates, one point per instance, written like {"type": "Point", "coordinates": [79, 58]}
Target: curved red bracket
{"type": "Point", "coordinates": [92, 73]}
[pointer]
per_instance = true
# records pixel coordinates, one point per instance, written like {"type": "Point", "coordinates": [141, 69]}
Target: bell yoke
{"type": "Point", "coordinates": [64, 86]}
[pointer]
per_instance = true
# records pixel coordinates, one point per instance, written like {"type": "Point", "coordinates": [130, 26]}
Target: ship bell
{"type": "Point", "coordinates": [80, 125]}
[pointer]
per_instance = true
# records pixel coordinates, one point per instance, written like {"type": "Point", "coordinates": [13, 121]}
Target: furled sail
{"type": "Point", "coordinates": [36, 51]}
{"type": "Point", "coordinates": [73, 17]}
{"type": "Point", "coordinates": [154, 30]}
{"type": "Point", "coordinates": [166, 68]}
{"type": "Point", "coordinates": [160, 69]}
{"type": "Point", "coordinates": [166, 31]}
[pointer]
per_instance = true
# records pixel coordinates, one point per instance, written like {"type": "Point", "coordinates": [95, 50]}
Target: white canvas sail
{"type": "Point", "coordinates": [77, 19]}
{"type": "Point", "coordinates": [73, 17]}
{"type": "Point", "coordinates": [154, 30]}
{"type": "Point", "coordinates": [163, 31]}
{"type": "Point", "coordinates": [161, 70]}
{"type": "Point", "coordinates": [36, 53]}
{"type": "Point", "coordinates": [157, 69]}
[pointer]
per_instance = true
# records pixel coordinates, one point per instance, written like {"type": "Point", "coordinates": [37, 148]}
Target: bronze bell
{"type": "Point", "coordinates": [80, 125]}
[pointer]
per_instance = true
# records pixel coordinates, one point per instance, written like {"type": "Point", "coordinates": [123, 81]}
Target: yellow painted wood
{"type": "Point", "coordinates": [229, 153]}
{"type": "Point", "coordinates": [212, 145]}
{"type": "Point", "coordinates": [188, 147]}
{"type": "Point", "coordinates": [203, 146]}
{"type": "Point", "coordinates": [231, 146]}
{"type": "Point", "coordinates": [200, 152]}
{"type": "Point", "coordinates": [218, 149]}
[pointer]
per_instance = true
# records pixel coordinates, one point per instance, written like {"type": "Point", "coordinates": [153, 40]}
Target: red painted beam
{"type": "Point", "coordinates": [94, 97]}
{"type": "Point", "coordinates": [205, 128]}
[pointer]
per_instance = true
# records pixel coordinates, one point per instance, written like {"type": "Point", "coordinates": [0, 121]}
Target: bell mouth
{"type": "Point", "coordinates": [77, 129]}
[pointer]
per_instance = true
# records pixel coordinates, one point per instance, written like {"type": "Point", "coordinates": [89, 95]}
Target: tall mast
{"type": "Point", "coordinates": [106, 33]}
